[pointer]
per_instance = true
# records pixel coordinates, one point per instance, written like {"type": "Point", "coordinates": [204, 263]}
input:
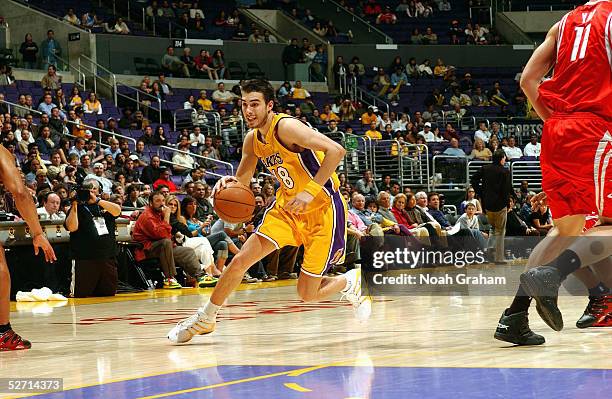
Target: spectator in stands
{"type": "Point", "coordinates": [454, 149]}
{"type": "Point", "coordinates": [468, 222]}
{"type": "Point", "coordinates": [184, 162]}
{"type": "Point", "coordinates": [151, 172]}
{"type": "Point", "coordinates": [429, 37]}
{"type": "Point", "coordinates": [512, 152]}
{"type": "Point", "coordinates": [204, 207]}
{"type": "Point", "coordinates": [515, 225]}
{"type": "Point", "coordinates": [533, 148]}
{"type": "Point", "coordinates": [268, 37]}
{"type": "Point", "coordinates": [133, 198]}
{"type": "Point", "coordinates": [541, 219]}
{"type": "Point", "coordinates": [412, 69]}
{"type": "Point", "coordinates": [98, 175]}
{"type": "Point", "coordinates": [457, 113]}
{"type": "Point", "coordinates": [51, 208]}
{"type": "Point", "coordinates": [460, 98]}
{"type": "Point", "coordinates": [433, 208]}
{"type": "Point", "coordinates": [44, 142]}
{"type": "Point", "coordinates": [153, 231]}
{"type": "Point", "coordinates": [470, 198]}
{"type": "Point", "coordinates": [51, 81]}
{"type": "Point", "coordinates": [381, 82]}
{"type": "Point", "coordinates": [356, 69]}
{"type": "Point", "coordinates": [404, 219]}
{"type": "Point", "coordinates": [218, 63]}
{"type": "Point", "coordinates": [222, 96]}
{"type": "Point", "coordinates": [386, 17]}
{"type": "Point", "coordinates": [373, 132]}
{"type": "Point", "coordinates": [29, 51]}
{"type": "Point", "coordinates": [71, 17]}
{"type": "Point", "coordinates": [203, 63]}
{"type": "Point", "coordinates": [159, 137]}
{"type": "Point", "coordinates": [204, 102]}
{"type": "Point", "coordinates": [480, 152]}
{"type": "Point", "coordinates": [121, 27]}
{"type": "Point", "coordinates": [147, 136]}
{"type": "Point", "coordinates": [483, 132]}
{"type": "Point", "coordinates": [291, 55]}
{"type": "Point", "coordinates": [367, 185]}
{"type": "Point", "coordinates": [298, 92]}
{"type": "Point", "coordinates": [479, 99]}
{"type": "Point", "coordinates": [92, 105]}
{"type": "Point", "coordinates": [416, 37]}
{"type": "Point", "coordinates": [114, 149]}
{"type": "Point", "coordinates": [164, 180]}
{"type": "Point", "coordinates": [51, 49]}
{"type": "Point", "coordinates": [497, 96]}
{"type": "Point", "coordinates": [173, 64]}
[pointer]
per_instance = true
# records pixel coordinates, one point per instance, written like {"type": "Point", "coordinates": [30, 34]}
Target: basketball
{"type": "Point", "coordinates": [234, 203]}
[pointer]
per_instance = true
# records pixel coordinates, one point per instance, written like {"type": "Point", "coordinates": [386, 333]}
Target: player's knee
{"type": "Point", "coordinates": [238, 265]}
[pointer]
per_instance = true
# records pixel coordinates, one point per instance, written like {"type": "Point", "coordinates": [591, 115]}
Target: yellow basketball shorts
{"type": "Point", "coordinates": [322, 232]}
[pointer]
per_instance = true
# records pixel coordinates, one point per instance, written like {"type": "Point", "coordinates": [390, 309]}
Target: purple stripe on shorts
{"type": "Point", "coordinates": [339, 242]}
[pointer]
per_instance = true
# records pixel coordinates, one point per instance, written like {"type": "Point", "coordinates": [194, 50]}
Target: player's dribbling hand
{"type": "Point", "coordinates": [299, 203]}
{"type": "Point", "coordinates": [223, 182]}
{"type": "Point", "coordinates": [40, 242]}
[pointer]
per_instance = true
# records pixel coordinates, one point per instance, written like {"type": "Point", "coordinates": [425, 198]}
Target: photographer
{"type": "Point", "coordinates": [93, 247]}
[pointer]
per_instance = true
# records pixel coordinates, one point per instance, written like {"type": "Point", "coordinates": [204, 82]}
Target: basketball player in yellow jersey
{"type": "Point", "coordinates": [308, 210]}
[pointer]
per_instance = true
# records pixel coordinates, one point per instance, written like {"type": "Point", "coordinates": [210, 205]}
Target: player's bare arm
{"type": "Point", "coordinates": [541, 61]}
{"type": "Point", "coordinates": [11, 178]}
{"type": "Point", "coordinates": [296, 136]}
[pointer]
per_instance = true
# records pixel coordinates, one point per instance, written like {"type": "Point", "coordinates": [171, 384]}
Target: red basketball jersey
{"type": "Point", "coordinates": [582, 78]}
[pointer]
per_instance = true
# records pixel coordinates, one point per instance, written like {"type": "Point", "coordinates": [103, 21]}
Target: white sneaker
{"type": "Point", "coordinates": [197, 324]}
{"type": "Point", "coordinates": [361, 301]}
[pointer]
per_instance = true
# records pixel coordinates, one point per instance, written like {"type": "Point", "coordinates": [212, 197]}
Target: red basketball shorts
{"type": "Point", "coordinates": [575, 160]}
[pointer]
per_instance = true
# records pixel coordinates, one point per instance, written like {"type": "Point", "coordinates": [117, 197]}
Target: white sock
{"type": "Point", "coordinates": [211, 310]}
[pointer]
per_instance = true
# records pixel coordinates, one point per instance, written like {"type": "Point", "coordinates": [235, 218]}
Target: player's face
{"type": "Point", "coordinates": [255, 110]}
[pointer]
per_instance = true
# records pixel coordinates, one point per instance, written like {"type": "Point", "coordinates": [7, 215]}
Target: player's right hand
{"type": "Point", "coordinates": [223, 182]}
{"type": "Point", "coordinates": [40, 242]}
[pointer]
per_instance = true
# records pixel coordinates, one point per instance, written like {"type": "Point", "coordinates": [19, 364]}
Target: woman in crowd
{"type": "Point", "coordinates": [60, 99]}
{"type": "Point", "coordinates": [403, 218]}
{"type": "Point", "coordinates": [218, 63]}
{"type": "Point", "coordinates": [159, 137]}
{"type": "Point", "coordinates": [92, 104]}
{"type": "Point", "coordinates": [220, 242]}
{"type": "Point", "coordinates": [480, 152]}
{"type": "Point", "coordinates": [470, 198]}
{"type": "Point", "coordinates": [185, 237]}
{"type": "Point", "coordinates": [75, 98]}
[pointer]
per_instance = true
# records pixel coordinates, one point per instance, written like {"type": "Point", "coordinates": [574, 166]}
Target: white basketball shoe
{"type": "Point", "coordinates": [197, 324]}
{"type": "Point", "coordinates": [357, 295]}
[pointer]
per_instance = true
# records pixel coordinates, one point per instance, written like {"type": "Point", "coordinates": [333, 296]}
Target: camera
{"type": "Point", "coordinates": [83, 192]}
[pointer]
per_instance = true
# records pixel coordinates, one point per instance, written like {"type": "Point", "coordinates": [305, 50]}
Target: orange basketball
{"type": "Point", "coordinates": [235, 203]}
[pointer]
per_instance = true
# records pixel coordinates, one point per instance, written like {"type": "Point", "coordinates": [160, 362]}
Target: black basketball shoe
{"type": "Point", "coordinates": [595, 310]}
{"type": "Point", "coordinates": [514, 328]}
{"type": "Point", "coordinates": [542, 284]}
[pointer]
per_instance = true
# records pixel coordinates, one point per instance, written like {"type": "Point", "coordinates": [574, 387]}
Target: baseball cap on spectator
{"type": "Point", "coordinates": [468, 75]}
{"type": "Point", "coordinates": [427, 124]}
{"type": "Point", "coordinates": [98, 165]}
{"type": "Point", "coordinates": [134, 157]}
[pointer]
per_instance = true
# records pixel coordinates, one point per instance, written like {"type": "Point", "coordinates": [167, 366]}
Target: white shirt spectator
{"type": "Point", "coordinates": [184, 160]}
{"type": "Point", "coordinates": [106, 184]}
{"type": "Point", "coordinates": [485, 135]}
{"type": "Point", "coordinates": [43, 214]}
{"type": "Point", "coordinates": [533, 150]}
{"type": "Point", "coordinates": [197, 140]}
{"type": "Point", "coordinates": [513, 152]}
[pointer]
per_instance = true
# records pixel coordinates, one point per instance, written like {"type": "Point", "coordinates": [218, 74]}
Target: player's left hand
{"type": "Point", "coordinates": [41, 242]}
{"type": "Point", "coordinates": [299, 203]}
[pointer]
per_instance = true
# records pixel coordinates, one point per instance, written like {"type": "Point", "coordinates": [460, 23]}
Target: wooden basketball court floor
{"type": "Point", "coordinates": [268, 344]}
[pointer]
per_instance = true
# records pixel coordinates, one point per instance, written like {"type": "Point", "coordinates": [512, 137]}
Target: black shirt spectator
{"type": "Point", "coordinates": [292, 53]}
{"type": "Point", "coordinates": [29, 51]}
{"type": "Point", "coordinates": [151, 172]}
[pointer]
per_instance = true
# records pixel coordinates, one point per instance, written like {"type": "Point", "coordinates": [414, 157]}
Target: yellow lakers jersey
{"type": "Point", "coordinates": [293, 170]}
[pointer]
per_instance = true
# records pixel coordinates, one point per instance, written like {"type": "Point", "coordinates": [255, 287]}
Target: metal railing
{"type": "Point", "coordinates": [87, 69]}
{"type": "Point", "coordinates": [108, 132]}
{"type": "Point", "coordinates": [414, 165]}
{"type": "Point", "coordinates": [142, 99]}
{"type": "Point", "coordinates": [450, 172]}
{"type": "Point", "coordinates": [355, 18]}
{"type": "Point", "coordinates": [209, 121]}
{"type": "Point", "coordinates": [526, 170]}
{"type": "Point", "coordinates": [228, 166]}
{"type": "Point", "coordinates": [370, 99]}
